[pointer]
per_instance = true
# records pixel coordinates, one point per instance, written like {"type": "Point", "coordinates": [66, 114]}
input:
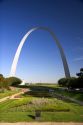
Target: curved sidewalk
{"type": "Point", "coordinates": [14, 96]}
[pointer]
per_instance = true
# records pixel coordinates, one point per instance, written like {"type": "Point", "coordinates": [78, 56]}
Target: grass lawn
{"type": "Point", "coordinates": [39, 98]}
{"type": "Point", "coordinates": [23, 110]}
{"type": "Point", "coordinates": [75, 95]}
{"type": "Point", "coordinates": [75, 115]}
{"type": "Point", "coordinates": [45, 116]}
{"type": "Point", "coordinates": [8, 93]}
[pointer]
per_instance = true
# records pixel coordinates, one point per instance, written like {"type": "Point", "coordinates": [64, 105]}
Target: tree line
{"type": "Point", "coordinates": [72, 82]}
{"type": "Point", "coordinates": [5, 83]}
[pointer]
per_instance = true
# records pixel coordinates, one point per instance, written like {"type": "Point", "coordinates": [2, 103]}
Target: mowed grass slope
{"type": "Point", "coordinates": [18, 110]}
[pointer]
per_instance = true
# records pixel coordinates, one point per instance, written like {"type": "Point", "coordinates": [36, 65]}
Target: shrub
{"type": "Point", "coordinates": [80, 82]}
{"type": "Point", "coordinates": [63, 82]}
{"type": "Point", "coordinates": [72, 82]}
{"type": "Point", "coordinates": [14, 81]}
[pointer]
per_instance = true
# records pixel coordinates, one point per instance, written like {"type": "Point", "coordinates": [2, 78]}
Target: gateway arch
{"type": "Point", "coordinates": [17, 54]}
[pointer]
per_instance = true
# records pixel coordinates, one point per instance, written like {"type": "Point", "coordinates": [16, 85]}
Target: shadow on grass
{"type": "Point", "coordinates": [31, 116]}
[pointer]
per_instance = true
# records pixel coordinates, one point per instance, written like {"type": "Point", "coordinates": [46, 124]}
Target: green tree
{"type": "Point", "coordinates": [2, 82]}
{"type": "Point", "coordinates": [80, 74]}
{"type": "Point", "coordinates": [63, 82]}
{"type": "Point", "coordinates": [13, 81]}
{"type": "Point", "coordinates": [5, 83]}
{"type": "Point", "coordinates": [80, 78]}
{"type": "Point", "coordinates": [72, 82]}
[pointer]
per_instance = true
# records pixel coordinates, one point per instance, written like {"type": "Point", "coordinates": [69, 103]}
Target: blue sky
{"type": "Point", "coordinates": [40, 59]}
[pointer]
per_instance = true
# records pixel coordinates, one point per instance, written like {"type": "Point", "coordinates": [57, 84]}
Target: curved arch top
{"type": "Point", "coordinates": [17, 54]}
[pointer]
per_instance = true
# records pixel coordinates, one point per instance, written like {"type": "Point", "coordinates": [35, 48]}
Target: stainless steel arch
{"type": "Point", "coordinates": [17, 54]}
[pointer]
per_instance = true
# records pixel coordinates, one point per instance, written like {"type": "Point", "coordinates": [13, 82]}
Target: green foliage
{"type": "Point", "coordinates": [1, 75]}
{"type": "Point", "coordinates": [22, 110]}
{"type": "Point", "coordinates": [6, 82]}
{"type": "Point", "coordinates": [81, 70]}
{"type": "Point", "coordinates": [32, 104]}
{"type": "Point", "coordinates": [73, 94]}
{"type": "Point", "coordinates": [63, 82]}
{"type": "Point", "coordinates": [51, 109]}
{"type": "Point", "coordinates": [71, 82]}
{"type": "Point", "coordinates": [14, 81]}
{"type": "Point", "coordinates": [3, 82]}
{"type": "Point", "coordinates": [80, 82]}
{"type": "Point", "coordinates": [8, 93]}
{"type": "Point", "coordinates": [81, 73]}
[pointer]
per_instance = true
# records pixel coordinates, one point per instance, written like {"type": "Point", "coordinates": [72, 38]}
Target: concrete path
{"type": "Point", "coordinates": [4, 99]}
{"type": "Point", "coordinates": [42, 123]}
{"type": "Point", "coordinates": [14, 96]}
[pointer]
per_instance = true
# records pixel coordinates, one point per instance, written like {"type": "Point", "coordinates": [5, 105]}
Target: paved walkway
{"type": "Point", "coordinates": [3, 99]}
{"type": "Point", "coordinates": [14, 96]}
{"type": "Point", "coordinates": [42, 123]}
